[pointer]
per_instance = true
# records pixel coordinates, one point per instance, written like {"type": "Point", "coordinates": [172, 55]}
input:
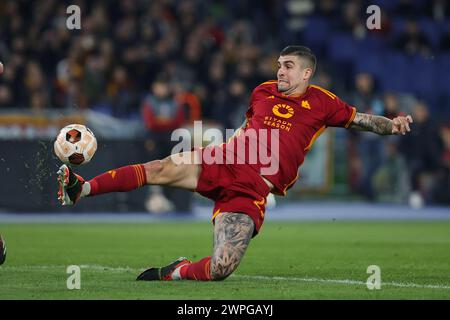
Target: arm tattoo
{"type": "Point", "coordinates": [368, 122]}
{"type": "Point", "coordinates": [232, 235]}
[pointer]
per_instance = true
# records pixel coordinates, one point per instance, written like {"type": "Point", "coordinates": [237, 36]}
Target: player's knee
{"type": "Point", "coordinates": [161, 172]}
{"type": "Point", "coordinates": [221, 271]}
{"type": "Point", "coordinates": [153, 171]}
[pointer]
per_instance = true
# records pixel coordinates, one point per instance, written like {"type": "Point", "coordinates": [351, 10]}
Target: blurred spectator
{"type": "Point", "coordinates": [413, 40]}
{"type": "Point", "coordinates": [369, 147]}
{"type": "Point", "coordinates": [239, 95]}
{"type": "Point", "coordinates": [215, 95]}
{"type": "Point", "coordinates": [438, 10]}
{"type": "Point", "coordinates": [160, 109]}
{"type": "Point", "coordinates": [445, 134]}
{"type": "Point", "coordinates": [391, 181]}
{"type": "Point", "coordinates": [232, 112]}
{"type": "Point", "coordinates": [39, 100]}
{"type": "Point", "coordinates": [122, 94]}
{"type": "Point", "coordinates": [445, 41]}
{"type": "Point", "coordinates": [35, 84]}
{"type": "Point", "coordinates": [391, 106]}
{"type": "Point", "coordinates": [364, 96]}
{"type": "Point", "coordinates": [324, 76]}
{"type": "Point", "coordinates": [352, 21]}
{"type": "Point", "coordinates": [370, 151]}
{"type": "Point", "coordinates": [326, 8]}
{"type": "Point", "coordinates": [324, 79]}
{"type": "Point", "coordinates": [163, 111]}
{"type": "Point", "coordinates": [441, 189]}
{"type": "Point", "coordinates": [93, 82]}
{"type": "Point", "coordinates": [407, 8]}
{"type": "Point", "coordinates": [6, 97]}
{"type": "Point", "coordinates": [422, 149]}
{"type": "Point", "coordinates": [266, 68]}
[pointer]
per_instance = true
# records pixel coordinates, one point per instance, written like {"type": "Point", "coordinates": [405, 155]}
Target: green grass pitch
{"type": "Point", "coordinates": [288, 260]}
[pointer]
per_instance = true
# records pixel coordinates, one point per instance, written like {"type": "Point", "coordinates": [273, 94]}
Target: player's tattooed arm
{"type": "Point", "coordinates": [232, 235]}
{"type": "Point", "coordinates": [381, 125]}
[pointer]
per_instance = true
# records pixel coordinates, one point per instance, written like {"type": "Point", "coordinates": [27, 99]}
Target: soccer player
{"type": "Point", "coordinates": [298, 110]}
{"type": "Point", "coordinates": [2, 250]}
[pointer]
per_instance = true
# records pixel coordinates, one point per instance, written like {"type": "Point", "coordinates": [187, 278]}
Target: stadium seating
{"type": "Point", "coordinates": [316, 30]}
{"type": "Point", "coordinates": [342, 48]}
{"type": "Point", "coordinates": [394, 74]}
{"type": "Point", "coordinates": [432, 31]}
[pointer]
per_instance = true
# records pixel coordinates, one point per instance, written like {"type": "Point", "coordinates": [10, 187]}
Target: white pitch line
{"type": "Point", "coordinates": [347, 281]}
{"type": "Point", "coordinates": [106, 268]}
{"type": "Point", "coordinates": [82, 266]}
{"type": "Point", "coordinates": [317, 280]}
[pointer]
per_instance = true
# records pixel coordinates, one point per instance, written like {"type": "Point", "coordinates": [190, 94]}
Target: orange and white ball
{"type": "Point", "coordinates": [75, 145]}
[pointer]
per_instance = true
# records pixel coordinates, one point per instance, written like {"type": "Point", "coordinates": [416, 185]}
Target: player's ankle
{"type": "Point", "coordinates": [180, 272]}
{"type": "Point", "coordinates": [86, 189]}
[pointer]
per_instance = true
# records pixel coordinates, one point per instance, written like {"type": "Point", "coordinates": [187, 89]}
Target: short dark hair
{"type": "Point", "coordinates": [302, 52]}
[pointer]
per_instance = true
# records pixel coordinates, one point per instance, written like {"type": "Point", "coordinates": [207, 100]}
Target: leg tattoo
{"type": "Point", "coordinates": [232, 235]}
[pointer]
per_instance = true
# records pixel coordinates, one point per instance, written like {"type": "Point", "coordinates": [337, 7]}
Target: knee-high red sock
{"type": "Point", "coordinates": [122, 179]}
{"type": "Point", "coordinates": [200, 270]}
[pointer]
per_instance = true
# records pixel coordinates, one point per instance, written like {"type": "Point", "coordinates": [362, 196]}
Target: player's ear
{"type": "Point", "coordinates": [307, 73]}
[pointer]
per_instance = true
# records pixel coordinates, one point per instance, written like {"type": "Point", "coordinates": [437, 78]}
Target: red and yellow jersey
{"type": "Point", "coordinates": [299, 119]}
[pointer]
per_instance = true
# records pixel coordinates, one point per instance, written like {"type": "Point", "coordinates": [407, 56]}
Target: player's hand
{"type": "Point", "coordinates": [400, 125]}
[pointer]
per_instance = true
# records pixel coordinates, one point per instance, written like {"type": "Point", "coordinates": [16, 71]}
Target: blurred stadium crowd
{"type": "Point", "coordinates": [169, 61]}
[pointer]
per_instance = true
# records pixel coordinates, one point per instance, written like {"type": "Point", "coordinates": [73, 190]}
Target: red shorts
{"type": "Point", "coordinates": [234, 188]}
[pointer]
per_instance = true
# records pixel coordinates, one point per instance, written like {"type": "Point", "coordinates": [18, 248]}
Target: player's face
{"type": "Point", "coordinates": [291, 74]}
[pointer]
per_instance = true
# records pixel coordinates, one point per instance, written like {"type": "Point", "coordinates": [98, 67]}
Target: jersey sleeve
{"type": "Point", "coordinates": [339, 113]}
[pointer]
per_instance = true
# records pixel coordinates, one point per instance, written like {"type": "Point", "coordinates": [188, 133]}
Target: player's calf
{"type": "Point", "coordinates": [232, 235]}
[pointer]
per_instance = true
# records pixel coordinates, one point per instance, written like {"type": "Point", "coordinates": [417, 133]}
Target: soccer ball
{"type": "Point", "coordinates": [75, 145]}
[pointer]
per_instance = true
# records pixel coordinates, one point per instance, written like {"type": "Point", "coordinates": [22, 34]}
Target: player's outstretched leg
{"type": "Point", "coordinates": [232, 235]}
{"type": "Point", "coordinates": [159, 172]}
